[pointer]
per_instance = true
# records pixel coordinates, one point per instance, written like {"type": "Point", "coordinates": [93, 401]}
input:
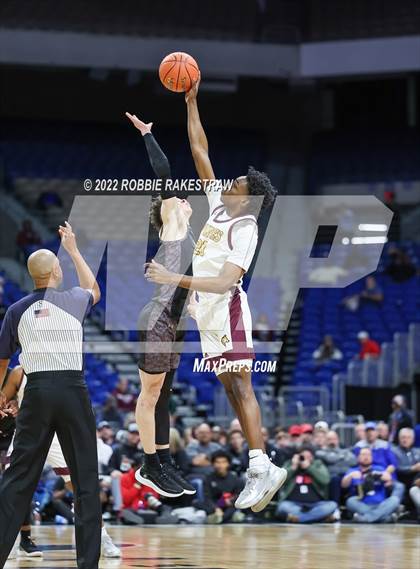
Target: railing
{"type": "Point", "coordinates": [396, 364]}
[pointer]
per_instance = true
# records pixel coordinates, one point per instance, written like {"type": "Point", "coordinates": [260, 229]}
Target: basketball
{"type": "Point", "coordinates": [178, 71]}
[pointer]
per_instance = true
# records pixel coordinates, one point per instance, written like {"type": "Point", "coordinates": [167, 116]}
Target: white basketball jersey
{"type": "Point", "coordinates": [223, 239]}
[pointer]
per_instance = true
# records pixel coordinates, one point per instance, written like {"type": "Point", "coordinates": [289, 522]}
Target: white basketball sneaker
{"type": "Point", "coordinates": [255, 482]}
{"type": "Point", "coordinates": [108, 548]}
{"type": "Point", "coordinates": [275, 478]}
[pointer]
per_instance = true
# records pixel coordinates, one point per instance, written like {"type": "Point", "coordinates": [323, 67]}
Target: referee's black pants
{"type": "Point", "coordinates": [54, 402]}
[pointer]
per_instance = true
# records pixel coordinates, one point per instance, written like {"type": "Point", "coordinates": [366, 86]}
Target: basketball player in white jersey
{"type": "Point", "coordinates": [13, 390]}
{"type": "Point", "coordinates": [222, 256]}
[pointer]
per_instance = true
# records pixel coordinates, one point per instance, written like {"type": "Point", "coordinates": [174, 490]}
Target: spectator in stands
{"type": "Point", "coordinates": [399, 418]}
{"type": "Point", "coordinates": [372, 293]}
{"type": "Point", "coordinates": [283, 445]}
{"type": "Point", "coordinates": [104, 452]}
{"type": "Point", "coordinates": [306, 430]}
{"type": "Point", "coordinates": [238, 452]}
{"type": "Point", "coordinates": [269, 446]}
{"type": "Point", "coordinates": [177, 450]}
{"type": "Point", "coordinates": [303, 498]}
{"type": "Point", "coordinates": [106, 432]}
{"type": "Point", "coordinates": [121, 461]}
{"type": "Point", "coordinates": [368, 348]}
{"type": "Point", "coordinates": [408, 462]}
{"type": "Point", "coordinates": [360, 432]}
{"type": "Point", "coordinates": [235, 425]}
{"type": "Point", "coordinates": [62, 501]}
{"type": "Point", "coordinates": [110, 412]}
{"type": "Point", "coordinates": [188, 436]}
{"type": "Point", "coordinates": [295, 433]}
{"type": "Point", "coordinates": [415, 495]}
{"type": "Point", "coordinates": [327, 351]}
{"type": "Point", "coordinates": [221, 488]}
{"type": "Point", "coordinates": [382, 455]}
{"type": "Point", "coordinates": [321, 426]}
{"type": "Point", "coordinates": [320, 435]}
{"type": "Point", "coordinates": [199, 451]}
{"type": "Point", "coordinates": [262, 329]}
{"type": "Point", "coordinates": [400, 267]}
{"type": "Point", "coordinates": [383, 431]}
{"type": "Point", "coordinates": [124, 396]}
{"type": "Point", "coordinates": [219, 435]}
{"type": "Point", "coordinates": [370, 484]}
{"type": "Point", "coordinates": [27, 235]}
{"type": "Point", "coordinates": [381, 450]}
{"type": "Point", "coordinates": [338, 461]}
{"type": "Point", "coordinates": [135, 496]}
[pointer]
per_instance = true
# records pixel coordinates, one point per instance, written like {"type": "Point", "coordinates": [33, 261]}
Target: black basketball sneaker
{"type": "Point", "coordinates": [29, 548]}
{"type": "Point", "coordinates": [175, 474]}
{"type": "Point", "coordinates": [159, 481]}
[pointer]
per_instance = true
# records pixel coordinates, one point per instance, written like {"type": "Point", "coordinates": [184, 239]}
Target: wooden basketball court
{"type": "Point", "coordinates": [245, 546]}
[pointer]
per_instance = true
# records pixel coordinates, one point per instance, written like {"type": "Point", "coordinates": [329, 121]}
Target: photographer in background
{"type": "Point", "coordinates": [303, 499]}
{"type": "Point", "coordinates": [370, 485]}
{"type": "Point", "coordinates": [382, 455]}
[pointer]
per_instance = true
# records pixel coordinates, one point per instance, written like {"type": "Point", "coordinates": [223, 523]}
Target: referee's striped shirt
{"type": "Point", "coordinates": [47, 325]}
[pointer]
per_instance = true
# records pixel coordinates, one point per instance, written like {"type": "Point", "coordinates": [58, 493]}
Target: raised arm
{"type": "Point", "coordinates": [87, 279]}
{"type": "Point", "coordinates": [157, 157]}
{"type": "Point", "coordinates": [161, 167]}
{"type": "Point", "coordinates": [197, 136]}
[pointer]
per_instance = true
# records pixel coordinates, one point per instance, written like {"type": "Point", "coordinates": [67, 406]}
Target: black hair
{"type": "Point", "coordinates": [259, 185]}
{"type": "Point", "coordinates": [310, 448]}
{"type": "Point", "coordinates": [155, 215]}
{"type": "Point", "coordinates": [220, 454]}
{"type": "Point", "coordinates": [137, 459]}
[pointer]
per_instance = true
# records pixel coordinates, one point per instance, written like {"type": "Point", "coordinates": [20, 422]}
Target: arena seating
{"type": "Point", "coordinates": [285, 21]}
{"type": "Point", "coordinates": [364, 157]}
{"type": "Point", "coordinates": [328, 20]}
{"type": "Point", "coordinates": [324, 313]}
{"type": "Point", "coordinates": [172, 18]}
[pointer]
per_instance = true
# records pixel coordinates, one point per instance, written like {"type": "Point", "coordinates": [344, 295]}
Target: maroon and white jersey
{"type": "Point", "coordinates": [224, 320]}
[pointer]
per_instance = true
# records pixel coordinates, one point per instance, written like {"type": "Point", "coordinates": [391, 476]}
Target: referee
{"type": "Point", "coordinates": [47, 325]}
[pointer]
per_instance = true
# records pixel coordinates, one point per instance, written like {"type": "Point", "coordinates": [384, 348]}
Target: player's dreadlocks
{"type": "Point", "coordinates": [259, 185]}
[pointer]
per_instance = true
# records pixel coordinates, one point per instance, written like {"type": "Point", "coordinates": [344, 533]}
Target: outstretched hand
{"type": "Point", "coordinates": [68, 238]}
{"type": "Point", "coordinates": [143, 127]}
{"type": "Point", "coordinates": [193, 92]}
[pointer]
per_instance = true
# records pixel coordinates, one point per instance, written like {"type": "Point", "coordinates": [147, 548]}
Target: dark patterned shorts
{"type": "Point", "coordinates": [158, 332]}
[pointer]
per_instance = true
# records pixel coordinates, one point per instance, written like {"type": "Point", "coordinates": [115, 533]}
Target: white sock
{"type": "Point", "coordinates": [104, 532]}
{"type": "Point", "coordinates": [258, 459]}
